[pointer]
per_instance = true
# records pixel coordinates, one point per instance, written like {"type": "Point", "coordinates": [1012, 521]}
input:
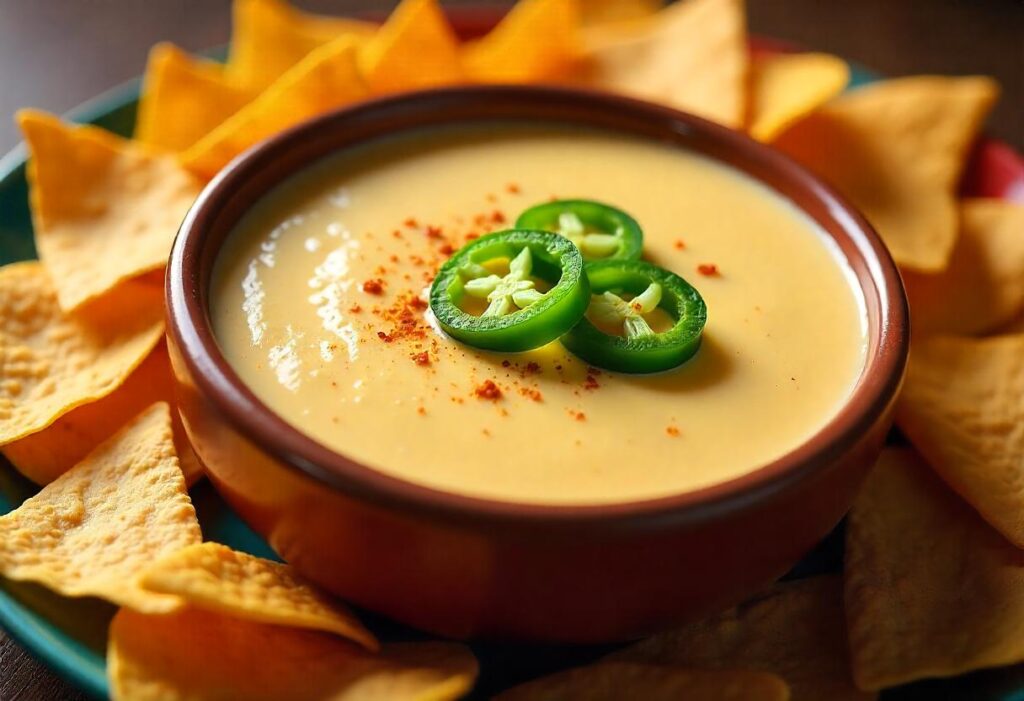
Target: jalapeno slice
{"type": "Point", "coordinates": [518, 316]}
{"type": "Point", "coordinates": [639, 349]}
{"type": "Point", "coordinates": [600, 231]}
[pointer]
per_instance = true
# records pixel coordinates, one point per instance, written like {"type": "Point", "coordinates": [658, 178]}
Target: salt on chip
{"type": "Point", "coordinates": [326, 79]}
{"type": "Point", "coordinates": [982, 288]}
{"type": "Point", "coordinates": [962, 407]}
{"type": "Point", "coordinates": [692, 55]}
{"type": "Point", "coordinates": [931, 589]}
{"type": "Point", "coordinates": [183, 98]}
{"type": "Point", "coordinates": [271, 36]}
{"type": "Point", "coordinates": [52, 361]}
{"type": "Point", "coordinates": [896, 149]}
{"type": "Point", "coordinates": [786, 87]}
{"type": "Point", "coordinates": [46, 455]}
{"type": "Point", "coordinates": [94, 529]}
{"type": "Point", "coordinates": [203, 656]}
{"type": "Point", "coordinates": [795, 630]}
{"type": "Point", "coordinates": [538, 40]}
{"type": "Point", "coordinates": [214, 577]}
{"type": "Point", "coordinates": [613, 681]}
{"type": "Point", "coordinates": [104, 209]}
{"type": "Point", "coordinates": [416, 48]}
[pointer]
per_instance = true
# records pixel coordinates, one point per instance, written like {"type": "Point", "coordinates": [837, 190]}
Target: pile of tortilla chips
{"type": "Point", "coordinates": [934, 575]}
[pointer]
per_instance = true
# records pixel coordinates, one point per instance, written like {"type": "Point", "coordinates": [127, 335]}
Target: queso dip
{"type": "Point", "coordinates": [318, 302]}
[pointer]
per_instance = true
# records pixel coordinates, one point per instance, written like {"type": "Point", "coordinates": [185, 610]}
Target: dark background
{"type": "Point", "coordinates": [55, 54]}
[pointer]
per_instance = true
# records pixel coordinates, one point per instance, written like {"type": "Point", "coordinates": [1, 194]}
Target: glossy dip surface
{"type": "Point", "coordinates": [317, 302]}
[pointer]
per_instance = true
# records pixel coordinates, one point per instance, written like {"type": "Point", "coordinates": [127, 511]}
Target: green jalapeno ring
{"type": "Point", "coordinates": [647, 352]}
{"type": "Point", "coordinates": [615, 230]}
{"type": "Point", "coordinates": [545, 318]}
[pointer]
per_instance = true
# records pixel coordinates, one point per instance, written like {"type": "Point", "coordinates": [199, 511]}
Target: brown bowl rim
{"type": "Point", "coordinates": [190, 329]}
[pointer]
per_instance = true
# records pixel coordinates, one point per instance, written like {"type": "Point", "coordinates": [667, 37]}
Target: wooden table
{"type": "Point", "coordinates": [56, 53]}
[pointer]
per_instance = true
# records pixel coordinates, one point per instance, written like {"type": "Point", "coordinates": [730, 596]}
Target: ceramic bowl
{"type": "Point", "coordinates": [468, 567]}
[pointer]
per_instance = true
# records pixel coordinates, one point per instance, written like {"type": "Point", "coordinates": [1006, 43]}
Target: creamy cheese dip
{"type": "Point", "coordinates": [318, 298]}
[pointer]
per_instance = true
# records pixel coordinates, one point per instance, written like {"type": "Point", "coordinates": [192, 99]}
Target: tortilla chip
{"type": "Point", "coordinates": [104, 210]}
{"type": "Point", "coordinates": [603, 11]}
{"type": "Point", "coordinates": [216, 578]}
{"type": "Point", "coordinates": [270, 36]}
{"type": "Point", "coordinates": [614, 681]}
{"type": "Point", "coordinates": [46, 455]}
{"type": "Point", "coordinates": [537, 40]}
{"type": "Point", "coordinates": [983, 287]}
{"type": "Point", "coordinates": [795, 630]}
{"type": "Point", "coordinates": [92, 531]}
{"type": "Point", "coordinates": [931, 589]}
{"type": "Point", "coordinates": [326, 79]}
{"type": "Point", "coordinates": [787, 87]}
{"type": "Point", "coordinates": [183, 98]}
{"type": "Point", "coordinates": [52, 361]}
{"type": "Point", "coordinates": [416, 48]}
{"type": "Point", "coordinates": [963, 407]}
{"type": "Point", "coordinates": [896, 149]}
{"type": "Point", "coordinates": [204, 656]}
{"type": "Point", "coordinates": [691, 55]}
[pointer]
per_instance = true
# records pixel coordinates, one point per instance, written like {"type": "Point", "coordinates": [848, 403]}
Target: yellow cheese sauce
{"type": "Point", "coordinates": [317, 302]}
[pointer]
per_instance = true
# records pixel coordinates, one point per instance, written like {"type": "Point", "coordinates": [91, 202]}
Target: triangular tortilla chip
{"type": "Point", "coordinates": [104, 210]}
{"type": "Point", "coordinates": [537, 41]}
{"type": "Point", "coordinates": [271, 36]}
{"type": "Point", "coordinates": [614, 681]}
{"type": "Point", "coordinates": [931, 589]}
{"type": "Point", "coordinates": [896, 149]}
{"type": "Point", "coordinates": [202, 656]}
{"type": "Point", "coordinates": [963, 409]}
{"type": "Point", "coordinates": [183, 98]}
{"type": "Point", "coordinates": [92, 531]}
{"type": "Point", "coordinates": [46, 455]}
{"type": "Point", "coordinates": [603, 11]}
{"type": "Point", "coordinates": [692, 55]}
{"type": "Point", "coordinates": [795, 630]}
{"type": "Point", "coordinates": [324, 80]}
{"type": "Point", "coordinates": [983, 286]}
{"type": "Point", "coordinates": [416, 48]}
{"type": "Point", "coordinates": [216, 578]}
{"type": "Point", "coordinates": [52, 361]}
{"type": "Point", "coordinates": [786, 87]}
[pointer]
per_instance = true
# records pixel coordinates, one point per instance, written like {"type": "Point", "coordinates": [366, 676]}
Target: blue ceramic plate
{"type": "Point", "coordinates": [70, 635]}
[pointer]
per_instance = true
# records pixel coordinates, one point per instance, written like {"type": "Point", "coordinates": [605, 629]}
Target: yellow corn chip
{"type": "Point", "coordinates": [786, 87]}
{"type": "Point", "coordinates": [601, 11]}
{"type": "Point", "coordinates": [416, 48]}
{"type": "Point", "coordinates": [104, 210]}
{"type": "Point", "coordinates": [691, 55]}
{"type": "Point", "coordinates": [46, 455]}
{"type": "Point", "coordinates": [92, 531]}
{"type": "Point", "coordinates": [931, 589]}
{"type": "Point", "coordinates": [795, 630]}
{"type": "Point", "coordinates": [896, 149]}
{"type": "Point", "coordinates": [983, 286]}
{"type": "Point", "coordinates": [963, 408]}
{"type": "Point", "coordinates": [538, 40]}
{"type": "Point", "coordinates": [324, 80]}
{"type": "Point", "coordinates": [614, 681]}
{"type": "Point", "coordinates": [214, 577]}
{"type": "Point", "coordinates": [270, 36]}
{"type": "Point", "coordinates": [52, 361]}
{"type": "Point", "coordinates": [204, 656]}
{"type": "Point", "coordinates": [183, 98]}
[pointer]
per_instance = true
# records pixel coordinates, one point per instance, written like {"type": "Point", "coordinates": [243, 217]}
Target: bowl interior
{"type": "Point", "coordinates": [253, 174]}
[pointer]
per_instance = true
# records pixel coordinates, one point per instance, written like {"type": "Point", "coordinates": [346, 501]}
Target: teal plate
{"type": "Point", "coordinates": [70, 635]}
